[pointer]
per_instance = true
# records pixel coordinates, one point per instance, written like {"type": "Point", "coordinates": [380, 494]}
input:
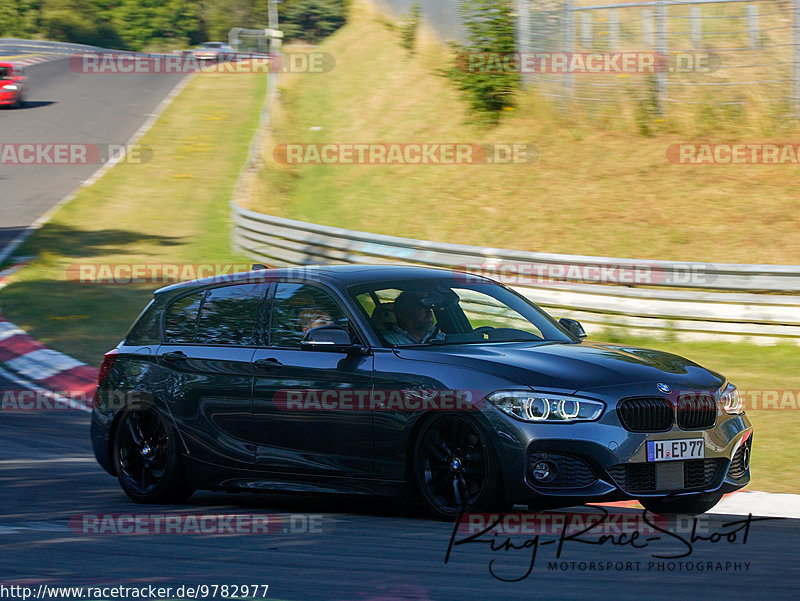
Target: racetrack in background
{"type": "Point", "coordinates": [64, 106]}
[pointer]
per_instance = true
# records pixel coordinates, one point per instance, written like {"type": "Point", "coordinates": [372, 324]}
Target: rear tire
{"type": "Point", "coordinates": [147, 458]}
{"type": "Point", "coordinates": [455, 467]}
{"type": "Point", "coordinates": [690, 505]}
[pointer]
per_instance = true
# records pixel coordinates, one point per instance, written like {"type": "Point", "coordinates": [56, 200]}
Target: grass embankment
{"type": "Point", "coordinates": [173, 209]}
{"type": "Point", "coordinates": [596, 188]}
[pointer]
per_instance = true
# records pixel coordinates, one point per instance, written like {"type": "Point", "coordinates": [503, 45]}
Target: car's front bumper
{"type": "Point", "coordinates": [8, 97]}
{"type": "Point", "coordinates": [604, 461]}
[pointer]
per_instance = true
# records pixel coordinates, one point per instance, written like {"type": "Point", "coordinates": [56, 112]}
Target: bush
{"type": "Point", "coordinates": [311, 20]}
{"type": "Point", "coordinates": [408, 30]}
{"type": "Point", "coordinates": [490, 27]}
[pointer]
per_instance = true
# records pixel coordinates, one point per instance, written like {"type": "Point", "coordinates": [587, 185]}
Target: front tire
{"type": "Point", "coordinates": [689, 505]}
{"type": "Point", "coordinates": [147, 458]}
{"type": "Point", "coordinates": [455, 468]}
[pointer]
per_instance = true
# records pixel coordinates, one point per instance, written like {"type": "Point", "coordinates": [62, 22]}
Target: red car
{"type": "Point", "coordinates": [12, 85]}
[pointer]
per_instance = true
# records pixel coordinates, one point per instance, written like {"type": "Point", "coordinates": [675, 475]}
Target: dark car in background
{"type": "Point", "coordinates": [303, 380]}
{"type": "Point", "coordinates": [12, 85]}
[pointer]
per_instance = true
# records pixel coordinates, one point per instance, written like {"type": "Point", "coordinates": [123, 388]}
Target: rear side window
{"type": "Point", "coordinates": [227, 315]}
{"type": "Point", "coordinates": [146, 329]}
{"type": "Point", "coordinates": [230, 315]}
{"type": "Point", "coordinates": [180, 323]}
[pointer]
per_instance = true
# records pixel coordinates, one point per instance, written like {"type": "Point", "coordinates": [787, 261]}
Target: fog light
{"type": "Point", "coordinates": [544, 471]}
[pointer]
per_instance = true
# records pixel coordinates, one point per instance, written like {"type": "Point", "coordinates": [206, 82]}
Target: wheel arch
{"type": "Point", "coordinates": [475, 416]}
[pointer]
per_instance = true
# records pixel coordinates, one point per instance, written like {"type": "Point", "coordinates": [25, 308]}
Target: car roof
{"type": "Point", "coordinates": [338, 276]}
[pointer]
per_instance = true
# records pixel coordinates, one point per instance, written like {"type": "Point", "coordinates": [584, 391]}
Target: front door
{"type": "Point", "coordinates": [307, 418]}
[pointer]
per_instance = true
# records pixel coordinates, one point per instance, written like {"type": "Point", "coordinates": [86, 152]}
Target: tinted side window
{"type": "Point", "coordinates": [146, 329]}
{"type": "Point", "coordinates": [230, 315]}
{"type": "Point", "coordinates": [180, 322]}
{"type": "Point", "coordinates": [299, 307]}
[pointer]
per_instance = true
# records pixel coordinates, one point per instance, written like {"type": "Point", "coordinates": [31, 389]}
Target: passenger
{"type": "Point", "coordinates": [415, 321]}
{"type": "Point", "coordinates": [314, 318]}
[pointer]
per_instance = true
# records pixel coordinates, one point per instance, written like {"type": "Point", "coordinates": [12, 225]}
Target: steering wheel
{"type": "Point", "coordinates": [483, 329]}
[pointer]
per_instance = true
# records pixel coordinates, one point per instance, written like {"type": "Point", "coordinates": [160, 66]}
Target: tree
{"type": "Point", "coordinates": [491, 32]}
{"type": "Point", "coordinates": [311, 20]}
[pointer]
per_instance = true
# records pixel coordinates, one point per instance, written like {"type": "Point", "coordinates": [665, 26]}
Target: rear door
{"type": "Point", "coordinates": [210, 337]}
{"type": "Point", "coordinates": [324, 430]}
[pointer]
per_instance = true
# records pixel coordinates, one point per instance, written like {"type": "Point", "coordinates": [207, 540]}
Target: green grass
{"type": "Point", "coordinates": [615, 196]}
{"type": "Point", "coordinates": [597, 188]}
{"type": "Point", "coordinates": [173, 209]}
{"type": "Point", "coordinates": [777, 431]}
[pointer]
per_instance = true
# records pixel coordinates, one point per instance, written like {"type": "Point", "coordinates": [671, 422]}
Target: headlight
{"type": "Point", "coordinates": [730, 400]}
{"type": "Point", "coordinates": [537, 407]}
{"type": "Point", "coordinates": [11, 86]}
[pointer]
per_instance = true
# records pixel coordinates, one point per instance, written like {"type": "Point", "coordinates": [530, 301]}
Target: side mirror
{"type": "Point", "coordinates": [573, 326]}
{"type": "Point", "coordinates": [329, 338]}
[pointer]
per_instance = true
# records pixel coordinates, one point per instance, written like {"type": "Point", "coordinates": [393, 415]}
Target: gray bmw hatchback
{"type": "Point", "coordinates": [395, 380]}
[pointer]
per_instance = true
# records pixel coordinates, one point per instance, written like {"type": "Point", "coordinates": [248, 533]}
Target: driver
{"type": "Point", "coordinates": [415, 321]}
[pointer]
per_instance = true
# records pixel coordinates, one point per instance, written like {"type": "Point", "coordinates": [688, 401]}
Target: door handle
{"type": "Point", "coordinates": [270, 363]}
{"type": "Point", "coordinates": [174, 356]}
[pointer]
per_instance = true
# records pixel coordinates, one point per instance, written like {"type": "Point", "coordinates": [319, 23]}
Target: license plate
{"type": "Point", "coordinates": [673, 450]}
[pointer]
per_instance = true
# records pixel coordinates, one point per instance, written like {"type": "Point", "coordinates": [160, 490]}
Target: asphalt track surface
{"type": "Point", "coordinates": [64, 106]}
{"type": "Point", "coordinates": [363, 549]}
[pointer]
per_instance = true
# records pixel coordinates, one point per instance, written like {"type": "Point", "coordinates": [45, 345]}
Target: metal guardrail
{"type": "Point", "coordinates": [46, 47]}
{"type": "Point", "coordinates": [690, 299]}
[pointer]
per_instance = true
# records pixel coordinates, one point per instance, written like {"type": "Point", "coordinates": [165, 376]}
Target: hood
{"type": "Point", "coordinates": [575, 367]}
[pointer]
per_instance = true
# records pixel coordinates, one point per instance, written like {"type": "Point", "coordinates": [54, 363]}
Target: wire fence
{"type": "Point", "coordinates": [717, 53]}
{"type": "Point", "coordinates": [714, 52]}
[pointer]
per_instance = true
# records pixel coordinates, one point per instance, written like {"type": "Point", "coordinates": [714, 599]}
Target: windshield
{"type": "Point", "coordinates": [439, 312]}
{"type": "Point", "coordinates": [5, 72]}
